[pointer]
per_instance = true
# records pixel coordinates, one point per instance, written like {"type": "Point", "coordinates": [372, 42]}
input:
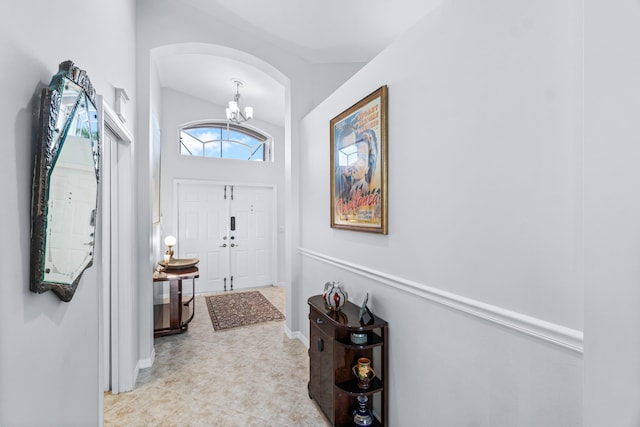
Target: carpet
{"type": "Point", "coordinates": [240, 309]}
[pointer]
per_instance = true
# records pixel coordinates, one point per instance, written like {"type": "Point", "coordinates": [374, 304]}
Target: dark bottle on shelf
{"type": "Point", "coordinates": [362, 416]}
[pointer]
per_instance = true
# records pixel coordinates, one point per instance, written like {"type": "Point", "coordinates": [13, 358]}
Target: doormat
{"type": "Point", "coordinates": [240, 309]}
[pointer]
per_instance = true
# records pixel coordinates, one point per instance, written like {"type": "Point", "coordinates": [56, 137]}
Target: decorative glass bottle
{"type": "Point", "coordinates": [362, 415]}
{"type": "Point", "coordinates": [334, 295]}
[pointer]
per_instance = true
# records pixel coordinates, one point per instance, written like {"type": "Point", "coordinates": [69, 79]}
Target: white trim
{"type": "Point", "coordinates": [121, 98]}
{"type": "Point", "coordinates": [550, 332]}
{"type": "Point", "coordinates": [288, 332]}
{"type": "Point", "coordinates": [103, 278]}
{"type": "Point", "coordinates": [110, 118]}
{"type": "Point", "coordinates": [296, 336]}
{"type": "Point", "coordinates": [136, 370]}
{"type": "Point", "coordinates": [118, 305]}
{"type": "Point", "coordinates": [105, 263]}
{"type": "Point", "coordinates": [147, 363]}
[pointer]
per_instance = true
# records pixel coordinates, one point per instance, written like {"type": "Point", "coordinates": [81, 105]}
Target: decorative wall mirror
{"type": "Point", "coordinates": [65, 183]}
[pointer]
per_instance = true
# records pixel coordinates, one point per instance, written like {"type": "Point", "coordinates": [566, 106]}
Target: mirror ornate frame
{"type": "Point", "coordinates": [65, 183]}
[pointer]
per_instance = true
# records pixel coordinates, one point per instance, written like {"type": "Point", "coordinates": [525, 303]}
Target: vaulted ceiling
{"type": "Point", "coordinates": [327, 31]}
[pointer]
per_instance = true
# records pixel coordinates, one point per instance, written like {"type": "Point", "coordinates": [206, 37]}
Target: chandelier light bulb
{"type": "Point", "coordinates": [234, 113]}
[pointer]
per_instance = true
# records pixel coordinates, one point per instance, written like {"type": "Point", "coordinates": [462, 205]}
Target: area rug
{"type": "Point", "coordinates": [240, 309]}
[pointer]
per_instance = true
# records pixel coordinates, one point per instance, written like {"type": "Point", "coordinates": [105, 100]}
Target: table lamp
{"type": "Point", "coordinates": [170, 241]}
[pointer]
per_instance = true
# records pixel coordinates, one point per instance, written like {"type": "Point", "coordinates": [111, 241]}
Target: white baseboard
{"type": "Point", "coordinates": [550, 332]}
{"type": "Point", "coordinates": [296, 335]}
{"type": "Point", "coordinates": [147, 363]}
{"type": "Point", "coordinates": [136, 371]}
{"type": "Point", "coordinates": [288, 333]}
{"type": "Point", "coordinates": [304, 340]}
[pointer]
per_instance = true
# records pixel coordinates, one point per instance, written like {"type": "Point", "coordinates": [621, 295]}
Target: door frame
{"type": "Point", "coordinates": [274, 218]}
{"type": "Point", "coordinates": [114, 311]}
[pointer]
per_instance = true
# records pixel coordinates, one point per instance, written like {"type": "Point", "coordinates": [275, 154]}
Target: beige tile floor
{"type": "Point", "coordinates": [248, 376]}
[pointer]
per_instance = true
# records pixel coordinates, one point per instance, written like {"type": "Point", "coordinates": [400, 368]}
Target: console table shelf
{"type": "Point", "coordinates": [373, 340]}
{"type": "Point", "coordinates": [162, 316]}
{"type": "Point", "coordinates": [332, 355]}
{"type": "Point", "coordinates": [376, 423]}
{"type": "Point", "coordinates": [170, 318]}
{"type": "Point", "coordinates": [352, 388]}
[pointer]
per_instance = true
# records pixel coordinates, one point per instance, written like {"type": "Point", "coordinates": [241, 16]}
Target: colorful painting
{"type": "Point", "coordinates": [359, 165]}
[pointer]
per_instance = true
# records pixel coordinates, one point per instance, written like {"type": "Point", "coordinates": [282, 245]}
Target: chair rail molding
{"type": "Point", "coordinates": [559, 335]}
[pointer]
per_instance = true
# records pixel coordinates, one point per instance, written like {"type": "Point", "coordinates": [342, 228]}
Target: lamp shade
{"type": "Point", "coordinates": [170, 241]}
{"type": "Point", "coordinates": [234, 112]}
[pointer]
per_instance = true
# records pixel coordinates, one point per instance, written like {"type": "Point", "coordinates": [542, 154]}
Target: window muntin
{"type": "Point", "coordinates": [224, 141]}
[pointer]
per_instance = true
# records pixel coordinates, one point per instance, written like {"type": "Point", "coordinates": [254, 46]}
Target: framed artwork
{"type": "Point", "coordinates": [359, 165]}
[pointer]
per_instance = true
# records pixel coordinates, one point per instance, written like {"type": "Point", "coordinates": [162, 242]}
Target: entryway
{"type": "Point", "coordinates": [230, 228]}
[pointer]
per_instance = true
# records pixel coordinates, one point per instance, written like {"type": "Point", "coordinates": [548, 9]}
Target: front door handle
{"type": "Point", "coordinates": [233, 245]}
{"type": "Point", "coordinates": [224, 245]}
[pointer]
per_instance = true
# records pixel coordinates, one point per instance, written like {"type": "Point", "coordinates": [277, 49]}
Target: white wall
{"type": "Point", "coordinates": [179, 109]}
{"type": "Point", "coordinates": [328, 77]}
{"type": "Point", "coordinates": [485, 215]}
{"type": "Point", "coordinates": [612, 209]}
{"type": "Point", "coordinates": [49, 349]}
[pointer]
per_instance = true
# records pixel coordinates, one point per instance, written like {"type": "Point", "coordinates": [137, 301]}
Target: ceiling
{"type": "Point", "coordinates": [211, 78]}
{"type": "Point", "coordinates": [327, 31]}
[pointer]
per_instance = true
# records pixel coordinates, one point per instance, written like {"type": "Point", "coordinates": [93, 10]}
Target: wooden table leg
{"type": "Point", "coordinates": [175, 303]}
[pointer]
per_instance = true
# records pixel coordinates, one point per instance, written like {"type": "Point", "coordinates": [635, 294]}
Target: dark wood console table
{"type": "Point", "coordinates": [332, 384]}
{"type": "Point", "coordinates": [170, 318]}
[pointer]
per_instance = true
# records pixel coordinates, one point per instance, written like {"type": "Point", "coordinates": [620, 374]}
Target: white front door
{"type": "Point", "coordinates": [229, 228]}
{"type": "Point", "coordinates": [202, 232]}
{"type": "Point", "coordinates": [251, 242]}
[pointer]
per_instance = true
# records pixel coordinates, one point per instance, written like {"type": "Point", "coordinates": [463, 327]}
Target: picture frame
{"type": "Point", "coordinates": [365, 317]}
{"type": "Point", "coordinates": [359, 165]}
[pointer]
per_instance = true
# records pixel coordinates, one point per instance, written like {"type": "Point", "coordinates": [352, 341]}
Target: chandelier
{"type": "Point", "coordinates": [234, 113]}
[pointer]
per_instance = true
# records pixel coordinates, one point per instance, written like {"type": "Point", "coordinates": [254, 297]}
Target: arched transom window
{"type": "Point", "coordinates": [224, 141]}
